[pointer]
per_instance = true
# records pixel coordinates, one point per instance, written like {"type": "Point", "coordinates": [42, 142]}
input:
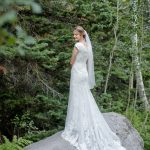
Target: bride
{"type": "Point", "coordinates": [85, 126]}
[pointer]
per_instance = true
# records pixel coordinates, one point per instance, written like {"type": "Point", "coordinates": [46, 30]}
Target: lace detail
{"type": "Point", "coordinates": [72, 136]}
{"type": "Point", "coordinates": [91, 140]}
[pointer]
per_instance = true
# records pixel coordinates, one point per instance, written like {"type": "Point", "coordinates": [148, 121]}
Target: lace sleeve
{"type": "Point", "coordinates": [77, 46]}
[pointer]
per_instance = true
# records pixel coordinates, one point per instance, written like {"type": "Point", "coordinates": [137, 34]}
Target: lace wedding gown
{"type": "Point", "coordinates": [85, 126]}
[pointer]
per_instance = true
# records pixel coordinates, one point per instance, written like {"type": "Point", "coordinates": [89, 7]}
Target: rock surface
{"type": "Point", "coordinates": [129, 136]}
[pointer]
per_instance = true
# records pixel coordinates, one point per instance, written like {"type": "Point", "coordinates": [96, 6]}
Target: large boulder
{"type": "Point", "coordinates": [129, 136]}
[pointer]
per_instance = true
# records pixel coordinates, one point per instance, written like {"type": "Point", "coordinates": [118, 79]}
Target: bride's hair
{"type": "Point", "coordinates": [80, 29]}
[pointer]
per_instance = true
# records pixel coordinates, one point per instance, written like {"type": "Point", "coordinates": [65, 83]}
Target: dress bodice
{"type": "Point", "coordinates": [81, 58]}
{"type": "Point", "coordinates": [79, 73]}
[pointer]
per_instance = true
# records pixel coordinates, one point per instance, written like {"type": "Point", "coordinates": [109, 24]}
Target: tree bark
{"type": "Point", "coordinates": [136, 62]}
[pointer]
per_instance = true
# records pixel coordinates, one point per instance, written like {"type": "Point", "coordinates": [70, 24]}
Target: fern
{"type": "Point", "coordinates": [16, 144]}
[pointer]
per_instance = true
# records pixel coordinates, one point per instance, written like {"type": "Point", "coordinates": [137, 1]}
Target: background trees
{"type": "Point", "coordinates": [35, 50]}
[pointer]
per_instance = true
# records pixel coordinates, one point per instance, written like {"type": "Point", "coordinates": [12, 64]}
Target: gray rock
{"type": "Point", "coordinates": [128, 135]}
{"type": "Point", "coordinates": [119, 124]}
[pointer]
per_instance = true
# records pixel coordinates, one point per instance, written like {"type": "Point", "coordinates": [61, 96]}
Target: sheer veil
{"type": "Point", "coordinates": [90, 63]}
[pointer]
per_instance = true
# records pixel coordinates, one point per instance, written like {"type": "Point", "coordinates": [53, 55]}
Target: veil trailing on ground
{"type": "Point", "coordinates": [90, 63]}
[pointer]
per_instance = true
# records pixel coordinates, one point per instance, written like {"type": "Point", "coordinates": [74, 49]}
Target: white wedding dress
{"type": "Point", "coordinates": [85, 127]}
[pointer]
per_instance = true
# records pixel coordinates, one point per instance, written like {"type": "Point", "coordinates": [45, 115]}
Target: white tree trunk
{"type": "Point", "coordinates": [138, 73]}
{"type": "Point", "coordinates": [139, 81]}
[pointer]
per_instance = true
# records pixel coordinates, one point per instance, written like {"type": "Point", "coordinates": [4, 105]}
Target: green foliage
{"type": "Point", "coordinates": [23, 122]}
{"type": "Point", "coordinates": [105, 101]}
{"type": "Point", "coordinates": [33, 114]}
{"type": "Point", "coordinates": [36, 50]}
{"type": "Point", "coordinates": [16, 144]}
{"type": "Point", "coordinates": [8, 25]}
{"type": "Point", "coordinates": [137, 119]}
{"type": "Point", "coordinates": [38, 135]}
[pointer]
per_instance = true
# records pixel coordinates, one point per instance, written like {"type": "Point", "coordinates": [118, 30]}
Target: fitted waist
{"type": "Point", "coordinates": [79, 67]}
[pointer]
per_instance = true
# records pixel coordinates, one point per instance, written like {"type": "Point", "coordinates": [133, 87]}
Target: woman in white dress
{"type": "Point", "coordinates": [85, 126]}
